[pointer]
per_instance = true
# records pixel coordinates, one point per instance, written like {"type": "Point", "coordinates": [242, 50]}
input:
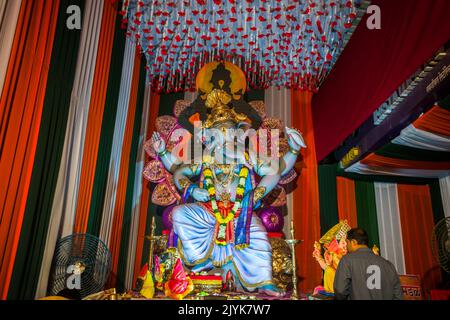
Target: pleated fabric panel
{"type": "Point", "coordinates": [389, 225]}
{"type": "Point", "coordinates": [64, 201]}
{"type": "Point", "coordinates": [9, 14]}
{"type": "Point", "coordinates": [21, 106]}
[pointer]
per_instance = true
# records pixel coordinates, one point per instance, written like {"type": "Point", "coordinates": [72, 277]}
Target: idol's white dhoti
{"type": "Point", "coordinates": [195, 227]}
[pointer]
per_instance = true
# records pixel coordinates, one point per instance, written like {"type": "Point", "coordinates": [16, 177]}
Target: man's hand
{"type": "Point", "coordinates": [200, 195]}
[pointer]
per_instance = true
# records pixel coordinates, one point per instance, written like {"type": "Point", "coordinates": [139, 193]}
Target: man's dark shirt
{"type": "Point", "coordinates": [362, 275]}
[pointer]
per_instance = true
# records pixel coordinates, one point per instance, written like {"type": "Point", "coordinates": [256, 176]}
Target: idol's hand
{"type": "Point", "coordinates": [200, 195]}
{"type": "Point", "coordinates": [158, 143]}
{"type": "Point", "coordinates": [295, 139]}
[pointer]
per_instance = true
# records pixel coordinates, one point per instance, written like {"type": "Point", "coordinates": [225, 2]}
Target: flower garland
{"type": "Point", "coordinates": [223, 222]}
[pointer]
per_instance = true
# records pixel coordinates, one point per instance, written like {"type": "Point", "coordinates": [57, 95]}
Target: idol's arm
{"type": "Point", "coordinates": [296, 142]}
{"type": "Point", "coordinates": [170, 162]}
{"type": "Point", "coordinates": [270, 173]}
{"type": "Point", "coordinates": [182, 178]}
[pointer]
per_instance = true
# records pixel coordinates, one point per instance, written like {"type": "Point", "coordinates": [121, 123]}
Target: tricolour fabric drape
{"type": "Point", "coordinates": [389, 225]}
{"type": "Point", "coordinates": [21, 107]}
{"type": "Point", "coordinates": [96, 112]}
{"type": "Point", "coordinates": [117, 143]}
{"type": "Point", "coordinates": [306, 211]}
{"type": "Point", "coordinates": [9, 14]}
{"type": "Point", "coordinates": [33, 238]}
{"type": "Point", "coordinates": [122, 181]}
{"type": "Point", "coordinates": [416, 216]}
{"type": "Point", "coordinates": [367, 210]}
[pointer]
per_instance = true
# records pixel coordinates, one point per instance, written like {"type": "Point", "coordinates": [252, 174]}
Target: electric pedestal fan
{"type": "Point", "coordinates": [441, 243]}
{"type": "Point", "coordinates": [81, 264]}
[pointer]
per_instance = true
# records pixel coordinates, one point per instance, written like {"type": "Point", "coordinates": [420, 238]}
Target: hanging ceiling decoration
{"type": "Point", "coordinates": [284, 43]}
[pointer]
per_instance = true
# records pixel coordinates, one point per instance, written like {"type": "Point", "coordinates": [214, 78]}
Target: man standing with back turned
{"type": "Point", "coordinates": [362, 275]}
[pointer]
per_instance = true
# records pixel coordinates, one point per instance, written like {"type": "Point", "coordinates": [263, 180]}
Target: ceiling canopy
{"type": "Point", "coordinates": [283, 43]}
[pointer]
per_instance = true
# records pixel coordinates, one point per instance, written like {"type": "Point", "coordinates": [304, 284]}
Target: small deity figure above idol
{"type": "Point", "coordinates": [240, 158]}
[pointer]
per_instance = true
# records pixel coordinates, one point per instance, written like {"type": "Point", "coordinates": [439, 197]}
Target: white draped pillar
{"type": "Point", "coordinates": [64, 204]}
{"type": "Point", "coordinates": [389, 225]}
{"type": "Point", "coordinates": [278, 105]}
{"type": "Point", "coordinates": [119, 132]}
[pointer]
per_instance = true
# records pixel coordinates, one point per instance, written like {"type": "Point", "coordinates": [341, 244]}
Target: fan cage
{"type": "Point", "coordinates": [440, 243]}
{"type": "Point", "coordinates": [87, 250]}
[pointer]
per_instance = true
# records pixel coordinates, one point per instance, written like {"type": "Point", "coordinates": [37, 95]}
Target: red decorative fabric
{"type": "Point", "coordinates": [374, 64]}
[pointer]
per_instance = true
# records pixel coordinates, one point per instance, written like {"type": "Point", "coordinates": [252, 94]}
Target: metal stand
{"type": "Point", "coordinates": [292, 243]}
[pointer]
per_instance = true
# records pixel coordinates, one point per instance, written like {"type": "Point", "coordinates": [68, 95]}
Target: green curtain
{"type": "Point", "coordinates": [128, 210]}
{"type": "Point", "coordinates": [367, 210]}
{"type": "Point", "coordinates": [329, 215]}
{"type": "Point", "coordinates": [255, 95]}
{"type": "Point", "coordinates": [397, 151]}
{"type": "Point", "coordinates": [50, 145]}
{"type": "Point", "coordinates": [107, 132]}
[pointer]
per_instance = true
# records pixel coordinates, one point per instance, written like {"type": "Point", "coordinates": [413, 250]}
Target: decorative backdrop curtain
{"type": "Point", "coordinates": [306, 212]}
{"type": "Point", "coordinates": [116, 152]}
{"type": "Point", "coordinates": [9, 14]}
{"type": "Point", "coordinates": [138, 189]}
{"type": "Point", "coordinates": [33, 238]}
{"type": "Point", "coordinates": [367, 210]}
{"type": "Point", "coordinates": [21, 105]}
{"type": "Point", "coordinates": [96, 113]}
{"type": "Point", "coordinates": [344, 102]}
{"type": "Point", "coordinates": [124, 169]}
{"type": "Point", "coordinates": [346, 200]}
{"type": "Point", "coordinates": [389, 225]}
{"type": "Point", "coordinates": [416, 216]}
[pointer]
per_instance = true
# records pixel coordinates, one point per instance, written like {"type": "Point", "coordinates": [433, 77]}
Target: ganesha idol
{"type": "Point", "coordinates": [334, 245]}
{"type": "Point", "coordinates": [227, 161]}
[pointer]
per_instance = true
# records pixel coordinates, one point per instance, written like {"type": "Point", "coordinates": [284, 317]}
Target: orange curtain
{"type": "Point", "coordinates": [306, 211]}
{"type": "Point", "coordinates": [96, 110]}
{"type": "Point", "coordinates": [119, 207]}
{"type": "Point", "coordinates": [380, 161]}
{"type": "Point", "coordinates": [416, 216]}
{"type": "Point", "coordinates": [347, 201]}
{"type": "Point", "coordinates": [145, 197]}
{"type": "Point", "coordinates": [21, 106]}
{"type": "Point", "coordinates": [436, 121]}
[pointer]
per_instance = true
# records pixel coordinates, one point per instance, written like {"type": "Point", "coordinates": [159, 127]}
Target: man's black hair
{"type": "Point", "coordinates": [359, 235]}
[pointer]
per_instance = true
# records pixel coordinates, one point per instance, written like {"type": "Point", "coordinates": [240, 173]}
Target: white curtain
{"type": "Point", "coordinates": [278, 105]}
{"type": "Point", "coordinates": [389, 225]}
{"type": "Point", "coordinates": [416, 138]}
{"type": "Point", "coordinates": [64, 203]}
{"type": "Point", "coordinates": [119, 132]}
{"type": "Point", "coordinates": [9, 13]}
{"type": "Point", "coordinates": [445, 194]}
{"type": "Point", "coordinates": [137, 191]}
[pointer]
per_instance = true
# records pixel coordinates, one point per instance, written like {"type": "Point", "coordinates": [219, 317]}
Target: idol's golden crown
{"type": "Point", "coordinates": [218, 101]}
